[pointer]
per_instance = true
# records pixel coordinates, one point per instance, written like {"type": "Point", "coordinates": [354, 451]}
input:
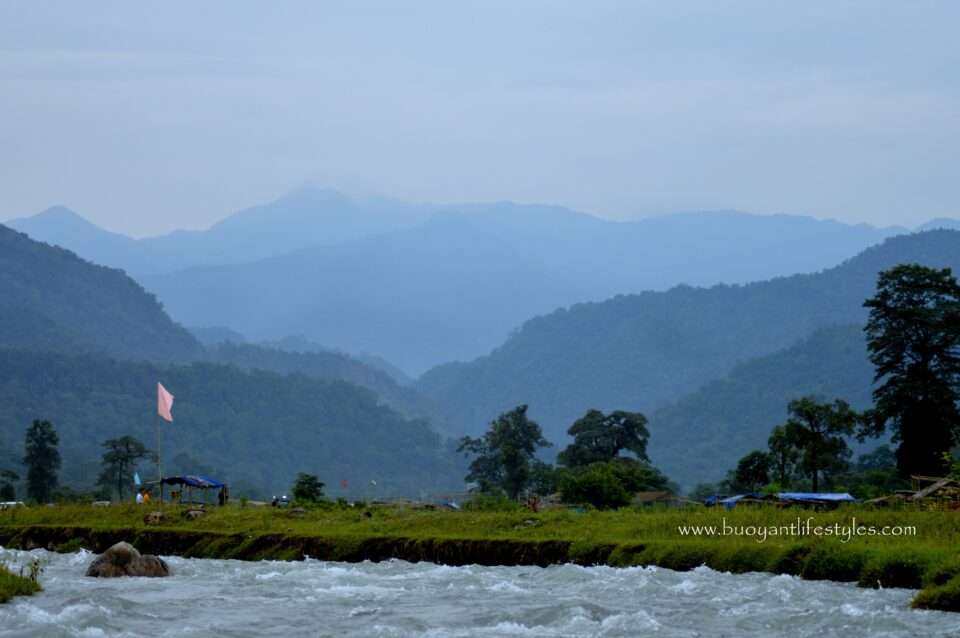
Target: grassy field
{"type": "Point", "coordinates": [919, 550]}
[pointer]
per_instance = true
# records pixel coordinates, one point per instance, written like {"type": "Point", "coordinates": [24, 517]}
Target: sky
{"type": "Point", "coordinates": [146, 117]}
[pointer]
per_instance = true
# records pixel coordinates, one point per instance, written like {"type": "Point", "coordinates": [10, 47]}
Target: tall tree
{"type": "Point", "coordinates": [505, 453]}
{"type": "Point", "coordinates": [7, 490]}
{"type": "Point", "coordinates": [818, 431]}
{"type": "Point", "coordinates": [307, 488]}
{"type": "Point", "coordinates": [119, 461]}
{"type": "Point", "coordinates": [599, 438]}
{"type": "Point", "coordinates": [752, 472]}
{"type": "Point", "coordinates": [913, 335]}
{"type": "Point", "coordinates": [783, 455]}
{"type": "Point", "coordinates": [42, 459]}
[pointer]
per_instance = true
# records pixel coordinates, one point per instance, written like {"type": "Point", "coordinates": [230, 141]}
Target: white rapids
{"type": "Point", "coordinates": [396, 598]}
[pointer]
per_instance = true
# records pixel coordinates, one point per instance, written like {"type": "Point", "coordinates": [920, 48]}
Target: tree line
{"type": "Point", "coordinates": [42, 461]}
{"type": "Point", "coordinates": [913, 340]}
{"type": "Point", "coordinates": [589, 470]}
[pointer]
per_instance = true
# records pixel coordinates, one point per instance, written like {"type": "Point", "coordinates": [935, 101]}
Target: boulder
{"type": "Point", "coordinates": [192, 515]}
{"type": "Point", "coordinates": [123, 559]}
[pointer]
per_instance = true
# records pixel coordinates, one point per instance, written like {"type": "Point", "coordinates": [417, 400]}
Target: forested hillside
{"type": "Point", "coordinates": [50, 299]}
{"type": "Point", "coordinates": [726, 418]}
{"type": "Point", "coordinates": [644, 351]}
{"type": "Point", "coordinates": [326, 366]}
{"type": "Point", "coordinates": [256, 428]}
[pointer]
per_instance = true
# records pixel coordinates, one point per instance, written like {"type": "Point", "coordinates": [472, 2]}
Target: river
{"type": "Point", "coordinates": [395, 598]}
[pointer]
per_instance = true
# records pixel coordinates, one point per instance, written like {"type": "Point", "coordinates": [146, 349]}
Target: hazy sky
{"type": "Point", "coordinates": [146, 117]}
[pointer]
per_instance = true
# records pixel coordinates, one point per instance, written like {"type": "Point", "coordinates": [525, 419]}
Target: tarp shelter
{"type": "Point", "coordinates": [191, 481]}
{"type": "Point", "coordinates": [731, 502]}
{"type": "Point", "coordinates": [817, 497]}
{"type": "Point", "coordinates": [788, 498]}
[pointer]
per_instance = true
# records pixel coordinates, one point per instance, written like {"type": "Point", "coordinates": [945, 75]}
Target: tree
{"type": "Point", "coordinates": [913, 336]}
{"type": "Point", "coordinates": [118, 463]}
{"type": "Point", "coordinates": [783, 456]}
{"type": "Point", "coordinates": [817, 430]}
{"type": "Point", "coordinates": [599, 437]}
{"type": "Point", "coordinates": [307, 488]}
{"type": "Point", "coordinates": [610, 484]}
{"type": "Point", "coordinates": [544, 478]}
{"type": "Point", "coordinates": [752, 472]}
{"type": "Point", "coordinates": [42, 459]}
{"type": "Point", "coordinates": [505, 453]}
{"type": "Point", "coordinates": [881, 458]}
{"type": "Point", "coordinates": [7, 491]}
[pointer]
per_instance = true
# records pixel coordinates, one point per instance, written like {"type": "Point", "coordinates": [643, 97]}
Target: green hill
{"type": "Point", "coordinates": [641, 352]}
{"type": "Point", "coordinates": [50, 299]}
{"type": "Point", "coordinates": [254, 428]}
{"type": "Point", "coordinates": [726, 418]}
{"type": "Point", "coordinates": [326, 366]}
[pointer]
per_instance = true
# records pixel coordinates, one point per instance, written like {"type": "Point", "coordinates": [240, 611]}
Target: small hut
{"type": "Point", "coordinates": [196, 481]}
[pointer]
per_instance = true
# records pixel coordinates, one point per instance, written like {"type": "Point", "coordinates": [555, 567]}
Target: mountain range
{"type": "Point", "coordinates": [644, 352]}
{"type": "Point", "coordinates": [84, 345]}
{"type": "Point", "coordinates": [421, 285]}
{"type": "Point", "coordinates": [712, 365]}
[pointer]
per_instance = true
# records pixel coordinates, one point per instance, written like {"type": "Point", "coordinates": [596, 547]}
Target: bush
{"type": "Point", "coordinates": [307, 488]}
{"type": "Point", "coordinates": [596, 484]}
{"type": "Point", "coordinates": [944, 597]}
{"type": "Point", "coordinates": [828, 561]}
{"type": "Point", "coordinates": [13, 585]}
{"type": "Point", "coordinates": [942, 574]}
{"type": "Point", "coordinates": [895, 569]}
{"type": "Point", "coordinates": [610, 485]}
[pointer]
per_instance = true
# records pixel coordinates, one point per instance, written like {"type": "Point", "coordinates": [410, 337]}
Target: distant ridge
{"type": "Point", "coordinates": [424, 284]}
{"type": "Point", "coordinates": [454, 287]}
{"type": "Point", "coordinates": [645, 351]}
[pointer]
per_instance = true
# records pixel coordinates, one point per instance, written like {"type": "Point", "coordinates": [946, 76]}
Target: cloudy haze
{"type": "Point", "coordinates": [149, 118]}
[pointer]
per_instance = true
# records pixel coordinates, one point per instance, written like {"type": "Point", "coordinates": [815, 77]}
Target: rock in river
{"type": "Point", "coordinates": [123, 559]}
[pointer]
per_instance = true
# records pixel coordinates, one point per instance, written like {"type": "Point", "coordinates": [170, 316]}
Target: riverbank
{"type": "Point", "coordinates": [921, 555]}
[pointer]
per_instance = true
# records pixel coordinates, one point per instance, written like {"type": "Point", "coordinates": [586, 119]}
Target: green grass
{"type": "Point", "coordinates": [928, 558]}
{"type": "Point", "coordinates": [14, 585]}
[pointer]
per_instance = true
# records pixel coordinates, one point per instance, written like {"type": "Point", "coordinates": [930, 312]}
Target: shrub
{"type": "Point", "coordinates": [789, 560]}
{"type": "Point", "coordinates": [596, 484]}
{"type": "Point", "coordinates": [13, 585]}
{"type": "Point", "coordinates": [944, 597]}
{"type": "Point", "coordinates": [829, 561]}
{"type": "Point", "coordinates": [894, 569]}
{"type": "Point", "coordinates": [307, 488]}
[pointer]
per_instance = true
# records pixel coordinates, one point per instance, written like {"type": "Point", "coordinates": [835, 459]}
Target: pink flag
{"type": "Point", "coordinates": [164, 403]}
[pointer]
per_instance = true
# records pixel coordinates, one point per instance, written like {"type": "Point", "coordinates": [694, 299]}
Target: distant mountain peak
{"type": "Point", "coordinates": [58, 214]}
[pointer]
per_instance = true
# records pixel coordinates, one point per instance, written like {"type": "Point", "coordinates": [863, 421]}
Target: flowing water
{"type": "Point", "coordinates": [395, 598]}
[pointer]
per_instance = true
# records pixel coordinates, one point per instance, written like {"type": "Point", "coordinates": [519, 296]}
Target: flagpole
{"type": "Point", "coordinates": [159, 467]}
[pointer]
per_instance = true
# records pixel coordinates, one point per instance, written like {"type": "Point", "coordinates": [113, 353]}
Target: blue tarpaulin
{"type": "Point", "coordinates": [731, 502]}
{"type": "Point", "coordinates": [799, 497]}
{"type": "Point", "coordinates": [193, 480]}
{"type": "Point", "coordinates": [817, 497]}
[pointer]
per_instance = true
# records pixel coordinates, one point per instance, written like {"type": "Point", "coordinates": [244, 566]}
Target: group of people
{"type": "Point", "coordinates": [223, 496]}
